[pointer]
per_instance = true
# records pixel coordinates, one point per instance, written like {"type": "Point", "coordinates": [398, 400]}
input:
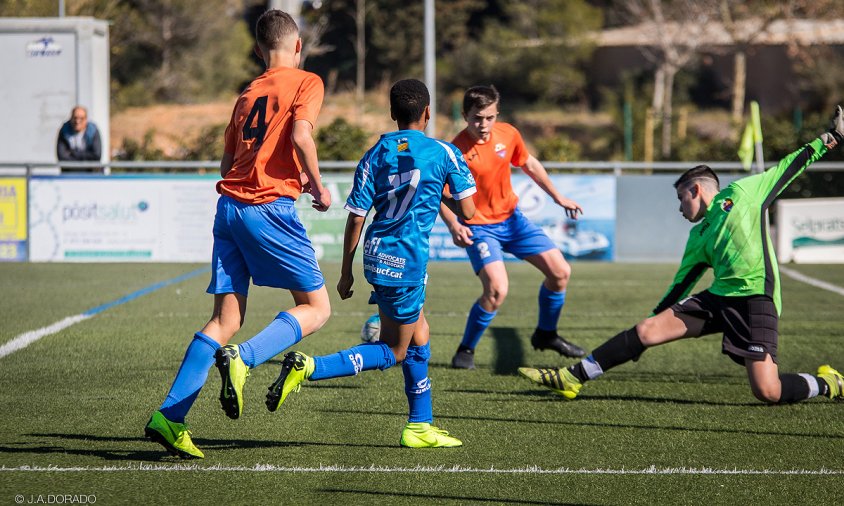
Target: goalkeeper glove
{"type": "Point", "coordinates": [835, 135]}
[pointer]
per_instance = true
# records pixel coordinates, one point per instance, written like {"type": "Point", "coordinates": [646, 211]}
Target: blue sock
{"type": "Point", "coordinates": [417, 384]}
{"type": "Point", "coordinates": [363, 357]}
{"type": "Point", "coordinates": [479, 319]}
{"type": "Point", "coordinates": [280, 334]}
{"type": "Point", "coordinates": [191, 376]}
{"type": "Point", "coordinates": [550, 305]}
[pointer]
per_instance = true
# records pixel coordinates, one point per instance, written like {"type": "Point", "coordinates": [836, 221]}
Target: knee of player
{"type": "Point", "coordinates": [561, 276]}
{"type": "Point", "coordinates": [648, 332]}
{"type": "Point", "coordinates": [228, 327]}
{"type": "Point", "coordinates": [321, 315]}
{"type": "Point", "coordinates": [769, 394]}
{"type": "Point", "coordinates": [400, 353]}
{"type": "Point", "coordinates": [495, 296]}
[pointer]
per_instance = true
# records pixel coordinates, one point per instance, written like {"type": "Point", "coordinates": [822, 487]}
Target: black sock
{"type": "Point", "coordinates": [578, 372]}
{"type": "Point", "coordinates": [465, 348]}
{"type": "Point", "coordinates": [823, 386]}
{"type": "Point", "coordinates": [795, 388]}
{"type": "Point", "coordinates": [545, 334]}
{"type": "Point", "coordinates": [625, 346]}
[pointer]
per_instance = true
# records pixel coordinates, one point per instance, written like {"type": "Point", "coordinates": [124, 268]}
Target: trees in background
{"type": "Point", "coordinates": [535, 51]}
{"type": "Point", "coordinates": [178, 50]}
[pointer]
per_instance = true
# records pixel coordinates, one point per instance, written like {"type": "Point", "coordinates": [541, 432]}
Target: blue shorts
{"type": "Point", "coordinates": [516, 235]}
{"type": "Point", "coordinates": [266, 242]}
{"type": "Point", "coordinates": [400, 303]}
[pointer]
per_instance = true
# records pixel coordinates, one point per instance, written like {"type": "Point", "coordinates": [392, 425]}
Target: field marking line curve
{"type": "Point", "coordinates": [21, 341]}
{"type": "Point", "coordinates": [799, 276]}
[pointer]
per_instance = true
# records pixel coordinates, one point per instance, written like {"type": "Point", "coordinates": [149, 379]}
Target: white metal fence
{"type": "Point", "coordinates": [25, 168]}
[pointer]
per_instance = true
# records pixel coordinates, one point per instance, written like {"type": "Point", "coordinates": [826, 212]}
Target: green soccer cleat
{"type": "Point", "coordinates": [174, 437]}
{"type": "Point", "coordinates": [560, 381]}
{"type": "Point", "coordinates": [296, 368]}
{"type": "Point", "coordinates": [835, 380]}
{"type": "Point", "coordinates": [233, 372]}
{"type": "Point", "coordinates": [425, 435]}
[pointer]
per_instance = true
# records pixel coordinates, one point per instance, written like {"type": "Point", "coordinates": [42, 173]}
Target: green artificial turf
{"type": "Point", "coordinates": [680, 426]}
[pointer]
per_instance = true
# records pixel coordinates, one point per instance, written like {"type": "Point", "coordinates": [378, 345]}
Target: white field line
{"type": "Point", "coordinates": [812, 281]}
{"type": "Point", "coordinates": [27, 338]}
{"type": "Point", "coordinates": [270, 468]}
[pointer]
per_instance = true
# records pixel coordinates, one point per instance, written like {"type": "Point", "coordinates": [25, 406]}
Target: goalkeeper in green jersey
{"type": "Point", "coordinates": [731, 237]}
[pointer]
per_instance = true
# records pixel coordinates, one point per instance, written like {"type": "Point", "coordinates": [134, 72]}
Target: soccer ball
{"type": "Point", "coordinates": [371, 330]}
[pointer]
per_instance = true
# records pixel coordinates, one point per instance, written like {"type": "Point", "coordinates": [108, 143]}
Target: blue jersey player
{"type": "Point", "coordinates": [403, 178]}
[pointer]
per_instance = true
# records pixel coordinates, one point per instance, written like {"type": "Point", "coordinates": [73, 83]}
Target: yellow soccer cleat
{"type": "Point", "coordinates": [425, 435]}
{"type": "Point", "coordinates": [173, 436]}
{"type": "Point", "coordinates": [233, 372]}
{"type": "Point", "coordinates": [835, 380]}
{"type": "Point", "coordinates": [560, 381]}
{"type": "Point", "coordinates": [296, 368]}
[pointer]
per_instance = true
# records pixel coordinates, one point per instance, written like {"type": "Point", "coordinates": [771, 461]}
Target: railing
{"type": "Point", "coordinates": [334, 166]}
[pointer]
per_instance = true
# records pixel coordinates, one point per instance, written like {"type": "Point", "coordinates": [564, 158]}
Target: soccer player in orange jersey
{"type": "Point", "coordinates": [270, 158]}
{"type": "Point", "coordinates": [490, 148]}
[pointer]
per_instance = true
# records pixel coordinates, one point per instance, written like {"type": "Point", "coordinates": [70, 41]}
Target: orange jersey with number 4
{"type": "Point", "coordinates": [490, 164]}
{"type": "Point", "coordinates": [266, 166]}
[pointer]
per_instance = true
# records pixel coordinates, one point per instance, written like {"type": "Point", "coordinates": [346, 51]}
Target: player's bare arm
{"type": "Point", "coordinates": [464, 208]}
{"type": "Point", "coordinates": [460, 234]}
{"type": "Point", "coordinates": [534, 169]}
{"type": "Point", "coordinates": [351, 238]}
{"type": "Point", "coordinates": [226, 164]}
{"type": "Point", "coordinates": [303, 142]}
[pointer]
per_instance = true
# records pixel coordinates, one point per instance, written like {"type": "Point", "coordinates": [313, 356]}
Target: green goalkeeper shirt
{"type": "Point", "coordinates": [732, 238]}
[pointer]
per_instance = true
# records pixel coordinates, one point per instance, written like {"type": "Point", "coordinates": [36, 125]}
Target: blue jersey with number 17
{"type": "Point", "coordinates": [402, 176]}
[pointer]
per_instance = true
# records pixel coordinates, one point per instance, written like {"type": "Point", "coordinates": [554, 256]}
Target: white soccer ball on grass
{"type": "Point", "coordinates": [371, 330]}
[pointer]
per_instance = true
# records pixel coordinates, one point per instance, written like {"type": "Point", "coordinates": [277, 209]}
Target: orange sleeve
{"type": "Point", "coordinates": [520, 152]}
{"type": "Point", "coordinates": [309, 100]}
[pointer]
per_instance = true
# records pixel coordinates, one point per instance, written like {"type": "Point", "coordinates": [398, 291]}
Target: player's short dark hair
{"type": "Point", "coordinates": [273, 27]}
{"type": "Point", "coordinates": [700, 173]}
{"type": "Point", "coordinates": [408, 100]}
{"type": "Point", "coordinates": [480, 97]}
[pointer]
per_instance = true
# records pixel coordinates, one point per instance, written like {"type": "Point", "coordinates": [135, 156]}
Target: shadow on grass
{"type": "Point", "coordinates": [384, 496]}
{"type": "Point", "coordinates": [159, 453]}
{"type": "Point", "coordinates": [607, 425]}
{"type": "Point", "coordinates": [547, 396]}
{"type": "Point", "coordinates": [509, 353]}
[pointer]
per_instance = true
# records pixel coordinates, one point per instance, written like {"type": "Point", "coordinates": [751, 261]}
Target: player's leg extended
{"type": "Point", "coordinates": [235, 361]}
{"type": "Point", "coordinates": [625, 346]}
{"type": "Point", "coordinates": [288, 328]}
{"type": "Point", "coordinates": [167, 427]}
{"type": "Point", "coordinates": [769, 386]}
{"type": "Point", "coordinates": [495, 284]}
{"type": "Point", "coordinates": [224, 322]}
{"type": "Point", "coordinates": [552, 297]}
{"type": "Point", "coordinates": [419, 431]}
{"type": "Point", "coordinates": [297, 367]}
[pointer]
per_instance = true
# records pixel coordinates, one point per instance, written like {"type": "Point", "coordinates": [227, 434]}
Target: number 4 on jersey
{"type": "Point", "coordinates": [257, 132]}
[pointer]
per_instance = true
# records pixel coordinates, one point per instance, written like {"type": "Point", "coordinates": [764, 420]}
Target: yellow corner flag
{"type": "Point", "coordinates": [751, 138]}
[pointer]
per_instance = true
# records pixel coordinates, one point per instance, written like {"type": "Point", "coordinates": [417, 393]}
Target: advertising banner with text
{"type": "Point", "coordinates": [590, 237]}
{"type": "Point", "coordinates": [12, 219]}
{"type": "Point", "coordinates": [169, 218]}
{"type": "Point", "coordinates": [810, 230]}
{"type": "Point", "coordinates": [122, 219]}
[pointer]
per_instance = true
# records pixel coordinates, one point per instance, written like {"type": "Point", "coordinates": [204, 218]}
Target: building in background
{"type": "Point", "coordinates": [50, 65]}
